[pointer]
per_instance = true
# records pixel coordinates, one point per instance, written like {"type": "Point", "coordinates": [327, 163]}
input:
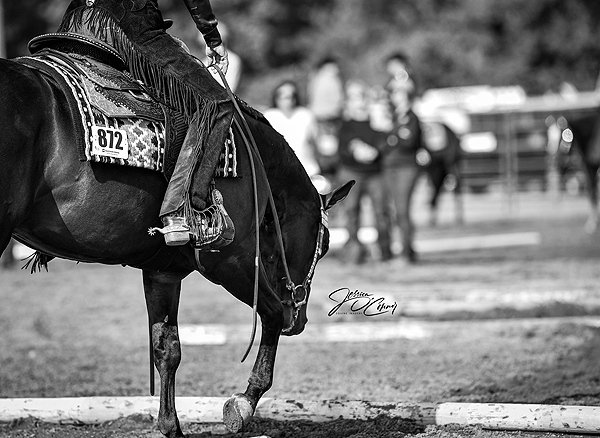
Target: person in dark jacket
{"type": "Point", "coordinates": [136, 29]}
{"type": "Point", "coordinates": [399, 159]}
{"type": "Point", "coordinates": [360, 160]}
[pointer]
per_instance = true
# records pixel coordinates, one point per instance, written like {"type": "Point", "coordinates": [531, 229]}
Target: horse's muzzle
{"type": "Point", "coordinates": [294, 320]}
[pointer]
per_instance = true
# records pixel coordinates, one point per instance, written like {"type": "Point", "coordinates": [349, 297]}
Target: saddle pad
{"type": "Point", "coordinates": [122, 125]}
{"type": "Point", "coordinates": [130, 142]}
{"type": "Point", "coordinates": [133, 142]}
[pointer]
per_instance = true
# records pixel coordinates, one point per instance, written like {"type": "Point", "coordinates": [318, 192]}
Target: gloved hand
{"type": "Point", "coordinates": [219, 57]}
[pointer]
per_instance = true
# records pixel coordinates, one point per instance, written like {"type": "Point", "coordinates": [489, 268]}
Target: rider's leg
{"type": "Point", "coordinates": [174, 209]}
{"type": "Point", "coordinates": [175, 77]}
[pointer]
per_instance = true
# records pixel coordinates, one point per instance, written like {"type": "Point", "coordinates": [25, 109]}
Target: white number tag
{"type": "Point", "coordinates": [110, 142]}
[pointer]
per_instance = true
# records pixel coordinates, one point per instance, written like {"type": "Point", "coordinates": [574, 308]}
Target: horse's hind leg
{"type": "Point", "coordinates": [162, 292]}
{"type": "Point", "coordinates": [5, 241]}
{"type": "Point", "coordinates": [6, 258]}
{"type": "Point", "coordinates": [437, 173]}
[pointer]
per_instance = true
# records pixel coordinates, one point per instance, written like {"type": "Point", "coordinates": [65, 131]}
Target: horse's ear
{"type": "Point", "coordinates": [330, 199]}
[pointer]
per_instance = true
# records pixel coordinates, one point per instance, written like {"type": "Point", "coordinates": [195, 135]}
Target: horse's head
{"type": "Point", "coordinates": [305, 233]}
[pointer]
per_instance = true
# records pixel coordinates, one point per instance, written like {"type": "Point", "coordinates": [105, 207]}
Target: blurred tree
{"type": "Point", "coordinates": [24, 20]}
{"type": "Point", "coordinates": [536, 44]}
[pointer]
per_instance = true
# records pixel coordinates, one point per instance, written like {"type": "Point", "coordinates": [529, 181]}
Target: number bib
{"type": "Point", "coordinates": [110, 142]}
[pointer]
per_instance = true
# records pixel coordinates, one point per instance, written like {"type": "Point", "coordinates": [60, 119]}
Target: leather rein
{"type": "Point", "coordinates": [299, 293]}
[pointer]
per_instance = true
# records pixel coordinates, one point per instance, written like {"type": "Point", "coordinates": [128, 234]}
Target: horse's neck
{"type": "Point", "coordinates": [287, 176]}
{"type": "Point", "coordinates": [284, 171]}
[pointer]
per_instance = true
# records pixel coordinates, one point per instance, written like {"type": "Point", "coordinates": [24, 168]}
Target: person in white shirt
{"type": "Point", "coordinates": [325, 94]}
{"type": "Point", "coordinates": [296, 123]}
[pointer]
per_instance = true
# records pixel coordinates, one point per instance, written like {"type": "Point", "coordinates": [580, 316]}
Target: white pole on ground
{"type": "Point", "coordinates": [208, 410]}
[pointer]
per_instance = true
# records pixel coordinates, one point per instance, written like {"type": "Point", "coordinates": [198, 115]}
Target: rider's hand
{"type": "Point", "coordinates": [219, 56]}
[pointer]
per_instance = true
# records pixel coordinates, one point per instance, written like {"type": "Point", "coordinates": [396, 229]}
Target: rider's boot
{"type": "Point", "coordinates": [176, 212]}
{"type": "Point", "coordinates": [172, 213]}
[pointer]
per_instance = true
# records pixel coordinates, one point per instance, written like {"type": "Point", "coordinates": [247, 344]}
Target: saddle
{"type": "Point", "coordinates": [121, 122]}
{"type": "Point", "coordinates": [109, 98]}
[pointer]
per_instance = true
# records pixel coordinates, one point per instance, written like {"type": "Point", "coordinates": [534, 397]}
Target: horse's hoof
{"type": "Point", "coordinates": [237, 412]}
{"type": "Point", "coordinates": [591, 226]}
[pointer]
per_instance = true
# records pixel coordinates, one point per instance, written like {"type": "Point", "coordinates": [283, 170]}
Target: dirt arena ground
{"type": "Point", "coordinates": [486, 323]}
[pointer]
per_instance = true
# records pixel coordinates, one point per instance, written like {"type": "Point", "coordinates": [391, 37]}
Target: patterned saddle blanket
{"type": "Point", "coordinates": [122, 124]}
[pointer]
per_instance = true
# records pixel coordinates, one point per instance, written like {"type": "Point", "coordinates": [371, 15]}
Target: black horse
{"type": "Point", "coordinates": [442, 170]}
{"type": "Point", "coordinates": [100, 213]}
{"type": "Point", "coordinates": [580, 138]}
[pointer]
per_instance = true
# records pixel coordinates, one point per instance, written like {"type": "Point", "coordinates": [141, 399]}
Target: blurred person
{"type": "Point", "coordinates": [399, 71]}
{"type": "Point", "coordinates": [296, 123]}
{"type": "Point", "coordinates": [360, 160]}
{"type": "Point", "coordinates": [402, 157]}
{"type": "Point", "coordinates": [325, 92]}
{"type": "Point", "coordinates": [137, 30]}
{"type": "Point", "coordinates": [380, 115]}
{"type": "Point", "coordinates": [234, 71]}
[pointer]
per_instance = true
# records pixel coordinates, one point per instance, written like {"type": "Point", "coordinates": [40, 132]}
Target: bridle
{"type": "Point", "coordinates": [299, 293]}
{"type": "Point", "coordinates": [297, 301]}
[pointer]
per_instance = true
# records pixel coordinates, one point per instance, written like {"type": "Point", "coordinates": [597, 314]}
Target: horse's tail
{"type": "Point", "coordinates": [37, 261]}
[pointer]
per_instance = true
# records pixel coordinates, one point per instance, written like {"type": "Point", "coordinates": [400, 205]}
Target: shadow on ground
{"type": "Point", "coordinates": [380, 427]}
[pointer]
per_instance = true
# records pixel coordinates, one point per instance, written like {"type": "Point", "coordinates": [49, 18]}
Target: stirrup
{"type": "Point", "coordinates": [176, 230]}
{"type": "Point", "coordinates": [215, 227]}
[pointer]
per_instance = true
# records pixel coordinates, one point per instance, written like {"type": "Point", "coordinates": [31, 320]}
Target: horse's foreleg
{"type": "Point", "coordinates": [459, 208]}
{"type": "Point", "coordinates": [238, 410]}
{"type": "Point", "coordinates": [591, 225]}
{"type": "Point", "coordinates": [162, 292]}
{"type": "Point", "coordinates": [436, 174]}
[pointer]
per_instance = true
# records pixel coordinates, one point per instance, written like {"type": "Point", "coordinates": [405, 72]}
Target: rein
{"type": "Point", "coordinates": [294, 302]}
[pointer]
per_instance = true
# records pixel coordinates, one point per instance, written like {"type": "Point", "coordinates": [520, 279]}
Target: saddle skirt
{"type": "Point", "coordinates": [121, 123]}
